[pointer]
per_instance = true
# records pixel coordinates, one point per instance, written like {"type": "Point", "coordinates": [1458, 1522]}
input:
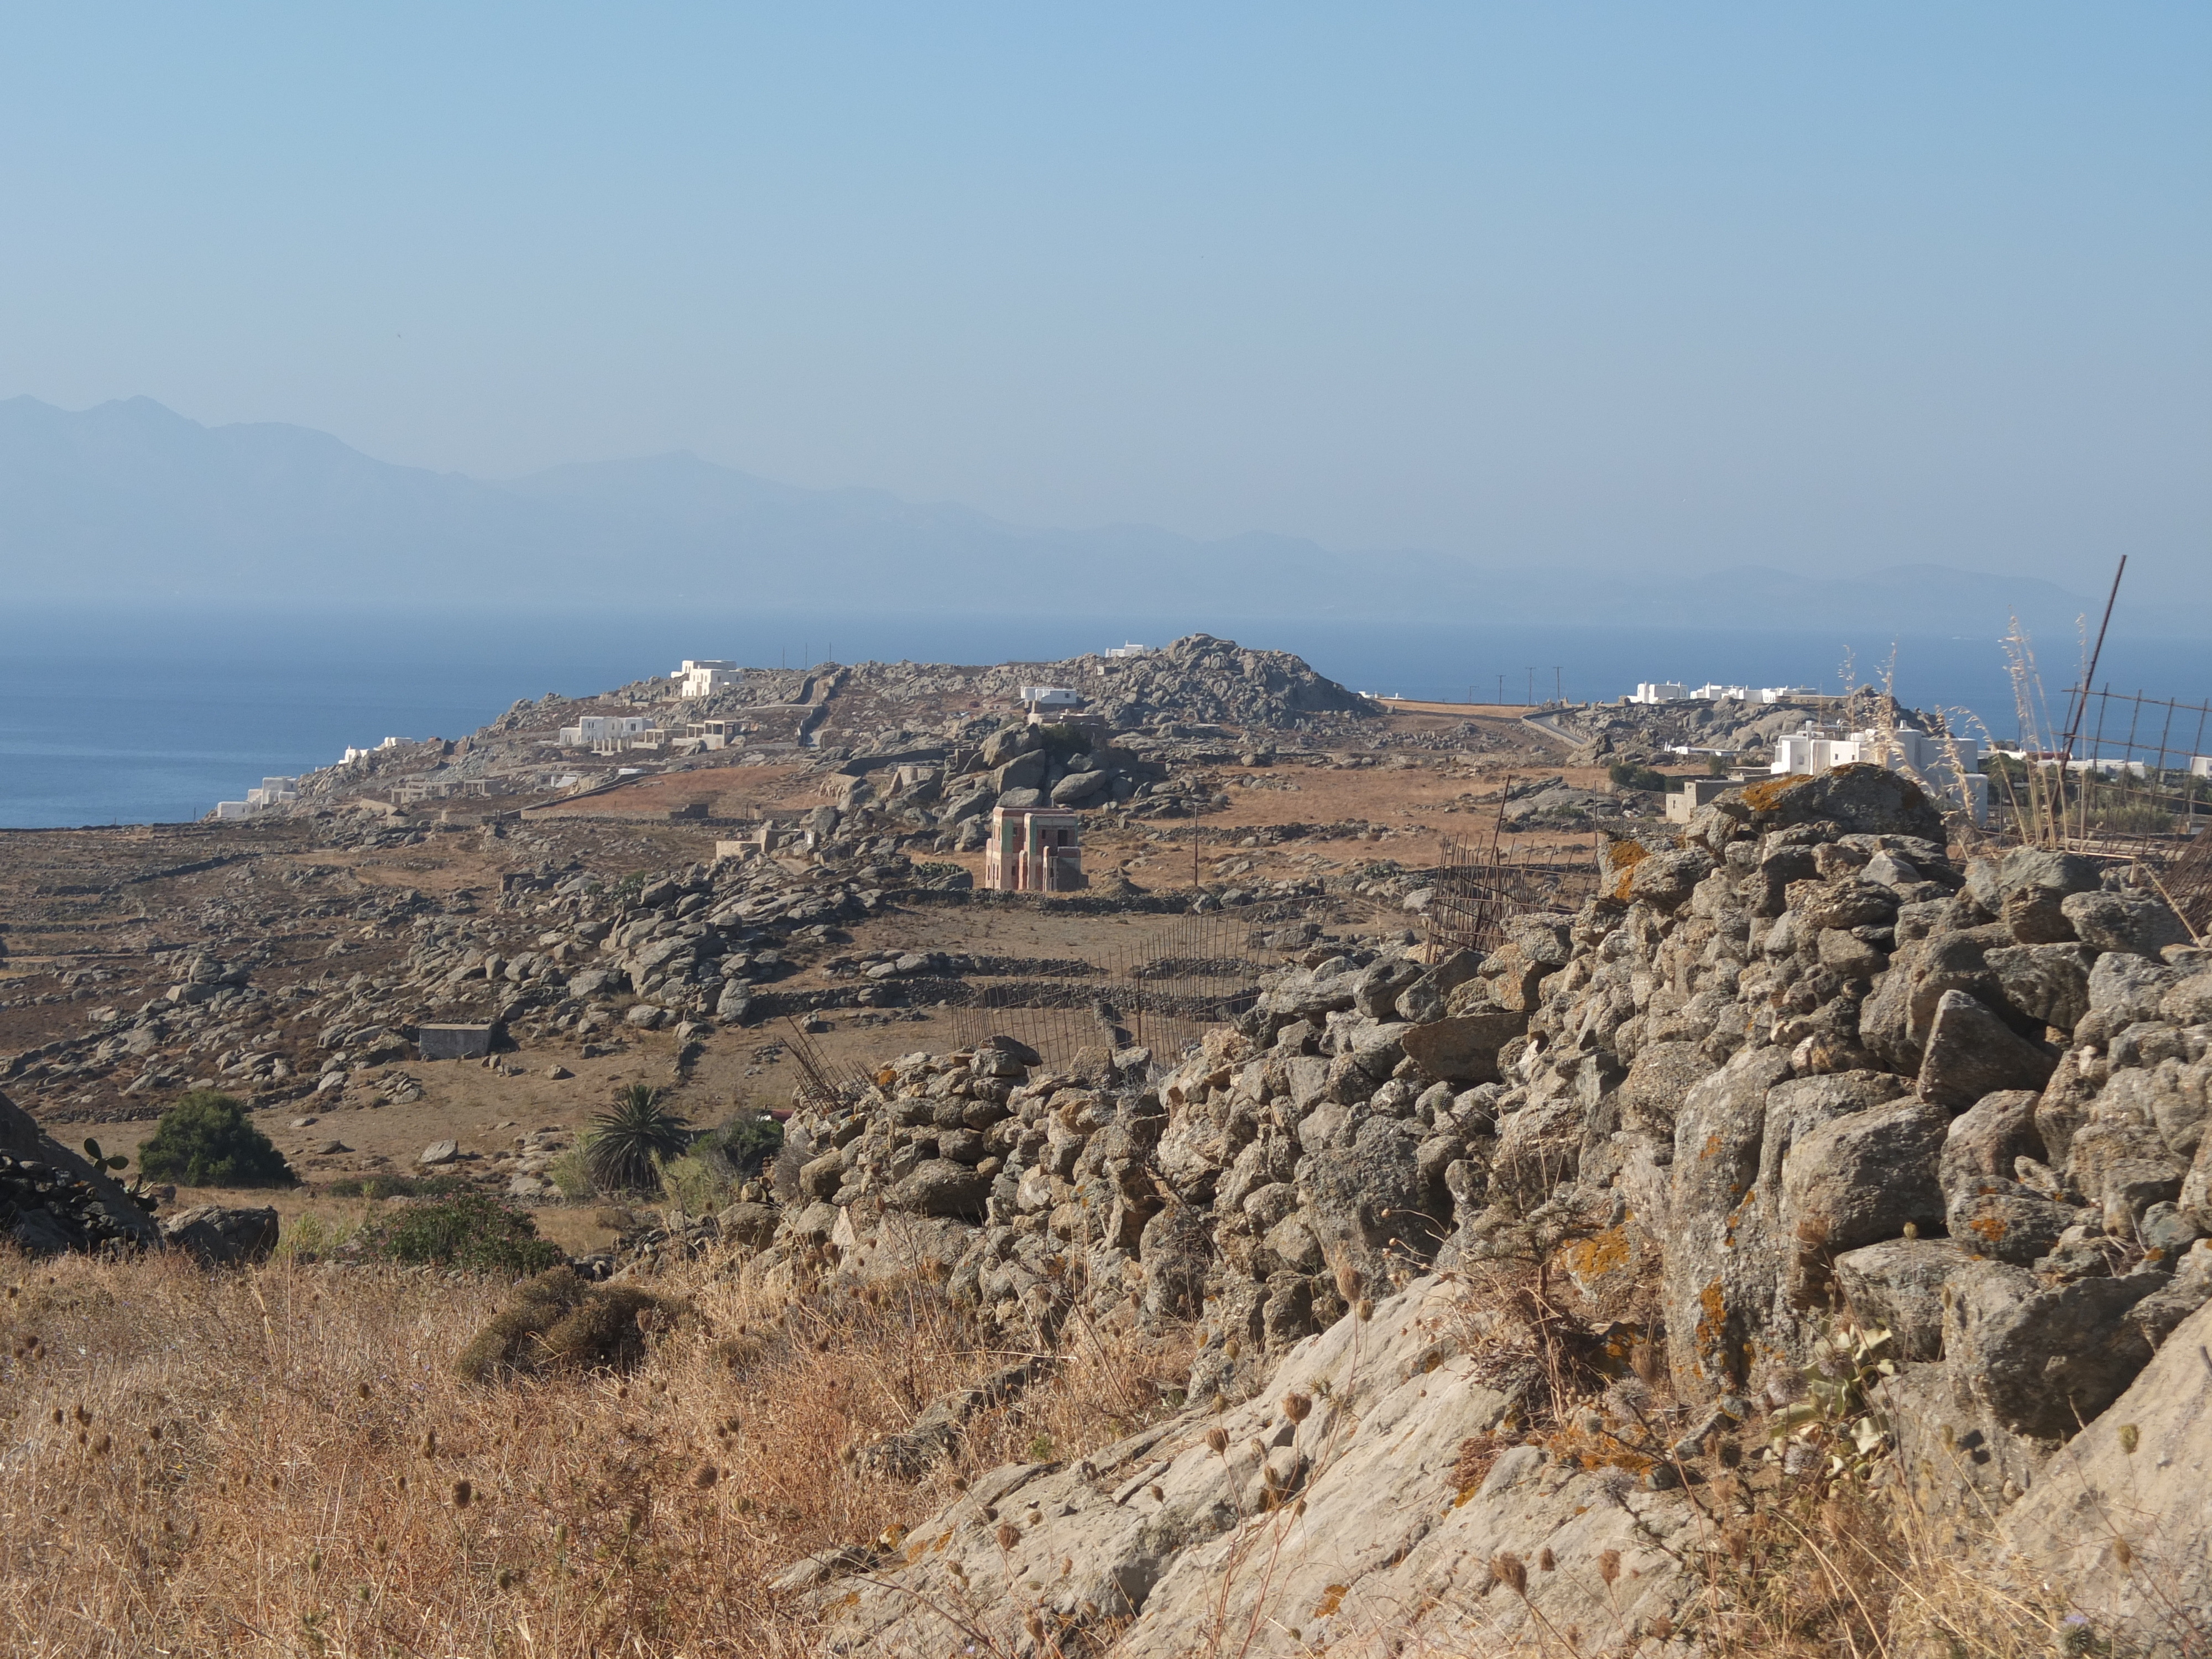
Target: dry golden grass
{"type": "Point", "coordinates": [283, 1462]}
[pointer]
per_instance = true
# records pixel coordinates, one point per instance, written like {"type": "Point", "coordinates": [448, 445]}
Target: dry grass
{"type": "Point", "coordinates": [284, 1462]}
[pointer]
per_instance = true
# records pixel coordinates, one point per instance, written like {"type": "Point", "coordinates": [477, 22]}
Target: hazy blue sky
{"type": "Point", "coordinates": [1696, 283]}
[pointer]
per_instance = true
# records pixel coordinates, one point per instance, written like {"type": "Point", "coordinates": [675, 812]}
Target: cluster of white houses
{"type": "Point", "coordinates": [1657, 691]}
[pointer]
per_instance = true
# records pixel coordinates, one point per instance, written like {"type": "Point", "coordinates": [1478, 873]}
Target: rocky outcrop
{"type": "Point", "coordinates": [51, 1199]}
{"type": "Point", "coordinates": [1344, 1509]}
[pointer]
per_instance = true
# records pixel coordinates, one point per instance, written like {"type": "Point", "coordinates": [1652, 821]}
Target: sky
{"type": "Point", "coordinates": [1615, 285]}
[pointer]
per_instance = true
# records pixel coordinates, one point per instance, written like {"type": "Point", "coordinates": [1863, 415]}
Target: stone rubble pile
{"type": "Point", "coordinates": [1798, 1063]}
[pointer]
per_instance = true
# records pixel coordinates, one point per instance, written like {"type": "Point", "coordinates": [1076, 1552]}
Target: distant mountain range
{"type": "Point", "coordinates": [130, 499]}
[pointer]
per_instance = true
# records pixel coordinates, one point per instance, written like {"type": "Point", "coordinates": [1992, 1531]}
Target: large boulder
{"type": "Point", "coordinates": [2044, 1360]}
{"type": "Point", "coordinates": [1372, 1193]}
{"type": "Point", "coordinates": [1858, 799]}
{"type": "Point", "coordinates": [1990, 1136]}
{"type": "Point", "coordinates": [2138, 923]}
{"type": "Point", "coordinates": [941, 1187]}
{"type": "Point", "coordinates": [1971, 1053]}
{"type": "Point", "coordinates": [217, 1236]}
{"type": "Point", "coordinates": [1372, 1491]}
{"type": "Point", "coordinates": [1899, 1285]}
{"type": "Point", "coordinates": [1719, 1263]}
{"type": "Point", "coordinates": [2118, 1524]}
{"type": "Point", "coordinates": [1864, 1177]}
{"type": "Point", "coordinates": [2049, 982]}
{"type": "Point", "coordinates": [2030, 872]}
{"type": "Point", "coordinates": [1463, 1047]}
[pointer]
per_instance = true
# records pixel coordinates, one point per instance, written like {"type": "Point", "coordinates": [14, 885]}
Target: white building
{"type": "Point", "coordinates": [1050, 696]}
{"type": "Point", "coordinates": [1950, 767]}
{"type": "Point", "coordinates": [1660, 692]}
{"type": "Point", "coordinates": [2200, 766]}
{"type": "Point", "coordinates": [703, 677]}
{"type": "Point", "coordinates": [608, 732]}
{"type": "Point", "coordinates": [1129, 649]}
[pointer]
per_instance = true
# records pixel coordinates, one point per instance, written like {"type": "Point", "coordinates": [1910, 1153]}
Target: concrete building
{"type": "Point", "coordinates": [1050, 699]}
{"type": "Point", "coordinates": [1949, 767]}
{"type": "Point", "coordinates": [605, 734]}
{"type": "Point", "coordinates": [1120, 653]}
{"type": "Point", "coordinates": [1652, 691]}
{"type": "Point", "coordinates": [2200, 766]}
{"type": "Point", "coordinates": [705, 676]}
{"type": "Point", "coordinates": [1033, 850]}
{"type": "Point", "coordinates": [1695, 792]}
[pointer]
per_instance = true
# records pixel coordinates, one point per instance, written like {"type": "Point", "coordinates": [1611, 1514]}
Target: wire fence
{"type": "Point", "coordinates": [2131, 778]}
{"type": "Point", "coordinates": [1163, 992]}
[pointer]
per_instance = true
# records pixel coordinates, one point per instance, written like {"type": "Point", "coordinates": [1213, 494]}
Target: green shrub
{"type": "Point", "coordinates": [468, 1229]}
{"type": "Point", "coordinates": [741, 1144]}
{"type": "Point", "coordinates": [310, 1237]}
{"type": "Point", "coordinates": [206, 1139]}
{"type": "Point", "coordinates": [628, 1140]}
{"type": "Point", "coordinates": [571, 1172]}
{"type": "Point", "coordinates": [557, 1322]}
{"type": "Point", "coordinates": [694, 1185]}
{"type": "Point", "coordinates": [1627, 775]}
{"type": "Point", "coordinates": [393, 1186]}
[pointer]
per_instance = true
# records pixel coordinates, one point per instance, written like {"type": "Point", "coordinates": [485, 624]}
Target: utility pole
{"type": "Point", "coordinates": [1558, 683]}
{"type": "Point", "coordinates": [1532, 687]}
{"type": "Point", "coordinates": [1501, 690]}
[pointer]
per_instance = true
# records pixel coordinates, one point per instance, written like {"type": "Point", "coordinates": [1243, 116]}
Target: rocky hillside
{"type": "Point", "coordinates": [1802, 1072]}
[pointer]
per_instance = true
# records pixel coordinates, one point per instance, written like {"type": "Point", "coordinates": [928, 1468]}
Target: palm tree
{"type": "Point", "coordinates": [629, 1135]}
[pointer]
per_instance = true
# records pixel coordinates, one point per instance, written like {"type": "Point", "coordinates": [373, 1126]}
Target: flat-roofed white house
{"type": "Point", "coordinates": [703, 676]}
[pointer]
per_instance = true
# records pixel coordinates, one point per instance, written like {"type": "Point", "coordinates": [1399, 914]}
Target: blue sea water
{"type": "Point", "coordinates": [131, 715]}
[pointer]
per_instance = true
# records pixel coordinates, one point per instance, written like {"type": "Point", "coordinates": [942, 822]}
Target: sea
{"type": "Point", "coordinates": [130, 714]}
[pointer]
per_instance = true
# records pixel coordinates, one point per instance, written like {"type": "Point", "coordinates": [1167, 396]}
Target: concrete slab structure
{"type": "Point", "coordinates": [452, 1041]}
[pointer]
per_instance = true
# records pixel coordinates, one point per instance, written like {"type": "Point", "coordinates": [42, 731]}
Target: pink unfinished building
{"type": "Point", "coordinates": [1032, 849]}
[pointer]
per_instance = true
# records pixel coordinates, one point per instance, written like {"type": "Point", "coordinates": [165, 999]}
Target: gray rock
{"type": "Point", "coordinates": [219, 1237]}
{"type": "Point", "coordinates": [2044, 1360]}
{"type": "Point", "coordinates": [1463, 1048]}
{"type": "Point", "coordinates": [1863, 799]}
{"type": "Point", "coordinates": [1373, 1194]}
{"type": "Point", "coordinates": [1971, 1053]}
{"type": "Point", "coordinates": [1987, 1140]}
{"type": "Point", "coordinates": [1177, 1249]}
{"type": "Point", "coordinates": [750, 1224]}
{"type": "Point", "coordinates": [1862, 1178]}
{"type": "Point", "coordinates": [2137, 922]}
{"type": "Point", "coordinates": [1719, 1263]}
{"type": "Point", "coordinates": [1379, 986]}
{"type": "Point", "coordinates": [2135, 1479]}
{"type": "Point", "coordinates": [1659, 1079]}
{"type": "Point", "coordinates": [1665, 880]}
{"type": "Point", "coordinates": [1078, 787]}
{"type": "Point", "coordinates": [2189, 1002]}
{"type": "Point", "coordinates": [2005, 1221]}
{"type": "Point", "coordinates": [2049, 982]}
{"type": "Point", "coordinates": [939, 1187]}
{"type": "Point", "coordinates": [440, 1152]}
{"type": "Point", "coordinates": [1899, 1285]}
{"type": "Point", "coordinates": [1990, 882]}
{"type": "Point", "coordinates": [2124, 988]}
{"type": "Point", "coordinates": [819, 1178]}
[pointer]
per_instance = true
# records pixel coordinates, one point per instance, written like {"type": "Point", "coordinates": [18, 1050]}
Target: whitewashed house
{"type": "Point", "coordinates": [703, 677]}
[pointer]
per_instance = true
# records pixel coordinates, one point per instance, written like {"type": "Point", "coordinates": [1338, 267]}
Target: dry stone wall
{"type": "Point", "coordinates": [1801, 1065]}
